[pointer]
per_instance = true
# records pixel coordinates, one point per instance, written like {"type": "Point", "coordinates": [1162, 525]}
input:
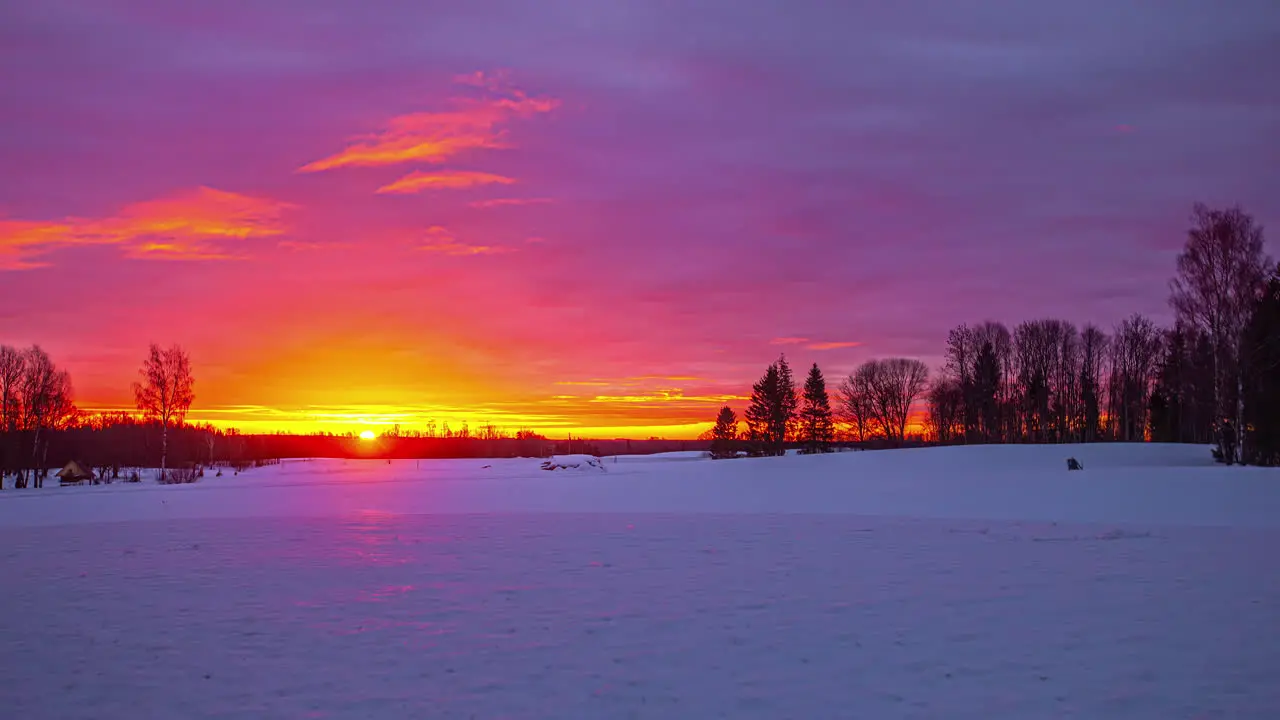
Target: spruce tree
{"type": "Point", "coordinates": [772, 410]}
{"type": "Point", "coordinates": [815, 413]}
{"type": "Point", "coordinates": [785, 404]}
{"type": "Point", "coordinates": [759, 413]}
{"type": "Point", "coordinates": [1260, 359]}
{"type": "Point", "coordinates": [724, 436]}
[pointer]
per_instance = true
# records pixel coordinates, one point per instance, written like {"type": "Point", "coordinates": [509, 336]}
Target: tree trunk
{"type": "Point", "coordinates": [1240, 417]}
{"type": "Point", "coordinates": [164, 448]}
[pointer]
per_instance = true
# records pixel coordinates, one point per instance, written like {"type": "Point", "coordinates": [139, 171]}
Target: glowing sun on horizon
{"type": "Point", "coordinates": [366, 435]}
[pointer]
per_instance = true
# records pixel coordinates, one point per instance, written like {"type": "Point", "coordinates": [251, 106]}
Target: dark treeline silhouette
{"type": "Point", "coordinates": [872, 410]}
{"type": "Point", "coordinates": [1214, 377]}
{"type": "Point", "coordinates": [1210, 378]}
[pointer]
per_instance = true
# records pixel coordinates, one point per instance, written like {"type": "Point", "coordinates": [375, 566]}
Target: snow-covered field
{"type": "Point", "coordinates": [955, 582]}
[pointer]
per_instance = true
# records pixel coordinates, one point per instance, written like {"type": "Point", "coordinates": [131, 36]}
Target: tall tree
{"type": "Point", "coordinates": [46, 404]}
{"type": "Point", "coordinates": [11, 366]}
{"type": "Point", "coordinates": [724, 436]}
{"type": "Point", "coordinates": [1221, 271]}
{"type": "Point", "coordinates": [1260, 360]}
{"type": "Point", "coordinates": [772, 409]}
{"type": "Point", "coordinates": [895, 383]}
{"type": "Point", "coordinates": [165, 392]}
{"type": "Point", "coordinates": [984, 393]}
{"type": "Point", "coordinates": [1135, 351]}
{"type": "Point", "coordinates": [960, 364]}
{"type": "Point", "coordinates": [787, 405]}
{"type": "Point", "coordinates": [815, 413]}
{"type": "Point", "coordinates": [1093, 353]}
{"type": "Point", "coordinates": [946, 404]}
{"type": "Point", "coordinates": [855, 405]}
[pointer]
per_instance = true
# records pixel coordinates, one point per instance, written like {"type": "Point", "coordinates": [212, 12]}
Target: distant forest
{"type": "Point", "coordinates": [1212, 378]}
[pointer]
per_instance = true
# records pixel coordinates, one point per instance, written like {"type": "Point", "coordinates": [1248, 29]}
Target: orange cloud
{"type": "Point", "coordinates": [788, 341]}
{"type": "Point", "coordinates": [665, 396]}
{"type": "Point", "coordinates": [433, 137]}
{"type": "Point", "coordinates": [832, 345]}
{"type": "Point", "coordinates": [185, 226]}
{"type": "Point", "coordinates": [439, 240]}
{"type": "Point", "coordinates": [500, 202]}
{"type": "Point", "coordinates": [445, 180]}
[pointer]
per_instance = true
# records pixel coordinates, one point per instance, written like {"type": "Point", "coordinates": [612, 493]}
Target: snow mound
{"type": "Point", "coordinates": [574, 462]}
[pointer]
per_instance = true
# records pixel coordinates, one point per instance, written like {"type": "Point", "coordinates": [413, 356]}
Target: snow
{"type": "Point", "coordinates": [586, 463]}
{"type": "Point", "coordinates": [981, 582]}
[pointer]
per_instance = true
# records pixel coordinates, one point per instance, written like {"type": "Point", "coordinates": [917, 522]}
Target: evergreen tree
{"type": "Point", "coordinates": [724, 436]}
{"type": "Point", "coordinates": [815, 413]}
{"type": "Point", "coordinates": [759, 411]}
{"type": "Point", "coordinates": [785, 406]}
{"type": "Point", "coordinates": [985, 386]}
{"type": "Point", "coordinates": [772, 410]}
{"type": "Point", "coordinates": [1260, 360]}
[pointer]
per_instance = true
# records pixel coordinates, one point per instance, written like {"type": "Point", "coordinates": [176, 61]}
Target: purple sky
{"type": "Point", "coordinates": [697, 181]}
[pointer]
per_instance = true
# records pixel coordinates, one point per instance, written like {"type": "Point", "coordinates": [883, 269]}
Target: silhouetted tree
{"type": "Point", "coordinates": [1093, 354]}
{"type": "Point", "coordinates": [895, 384]}
{"type": "Point", "coordinates": [165, 392]}
{"type": "Point", "coordinates": [815, 413]}
{"type": "Point", "coordinates": [855, 405]}
{"type": "Point", "coordinates": [1135, 350]}
{"type": "Point", "coordinates": [724, 436]}
{"type": "Point", "coordinates": [772, 409]}
{"type": "Point", "coordinates": [1260, 361]}
{"type": "Point", "coordinates": [946, 404]}
{"type": "Point", "coordinates": [1221, 270]}
{"type": "Point", "coordinates": [45, 399]}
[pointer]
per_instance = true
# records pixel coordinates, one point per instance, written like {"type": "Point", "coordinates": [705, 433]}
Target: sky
{"type": "Point", "coordinates": [597, 217]}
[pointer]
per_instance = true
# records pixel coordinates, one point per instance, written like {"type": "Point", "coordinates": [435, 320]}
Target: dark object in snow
{"type": "Point", "coordinates": [1074, 464]}
{"type": "Point", "coordinates": [485, 467]}
{"type": "Point", "coordinates": [74, 472]}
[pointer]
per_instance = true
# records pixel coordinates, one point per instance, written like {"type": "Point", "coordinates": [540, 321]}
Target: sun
{"type": "Point", "coordinates": [366, 435]}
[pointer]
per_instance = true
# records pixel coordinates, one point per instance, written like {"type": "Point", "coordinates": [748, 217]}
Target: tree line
{"type": "Point", "coordinates": [37, 408]}
{"type": "Point", "coordinates": [873, 402]}
{"type": "Point", "coordinates": [1212, 378]}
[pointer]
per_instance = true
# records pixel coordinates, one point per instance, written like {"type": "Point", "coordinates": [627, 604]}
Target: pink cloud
{"type": "Point", "coordinates": [438, 239]}
{"type": "Point", "coordinates": [190, 225]}
{"type": "Point", "coordinates": [832, 345]}
{"type": "Point", "coordinates": [502, 202]}
{"type": "Point", "coordinates": [418, 181]}
{"type": "Point", "coordinates": [788, 341]}
{"type": "Point", "coordinates": [433, 137]}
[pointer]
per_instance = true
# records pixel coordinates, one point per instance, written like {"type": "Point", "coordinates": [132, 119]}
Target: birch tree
{"type": "Point", "coordinates": [165, 392]}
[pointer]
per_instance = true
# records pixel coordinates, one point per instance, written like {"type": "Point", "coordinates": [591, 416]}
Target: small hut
{"type": "Point", "coordinates": [74, 472]}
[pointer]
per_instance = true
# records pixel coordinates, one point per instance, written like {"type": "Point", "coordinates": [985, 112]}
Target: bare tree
{"type": "Point", "coordinates": [11, 366]}
{"type": "Point", "coordinates": [1221, 270]}
{"type": "Point", "coordinates": [854, 400]}
{"type": "Point", "coordinates": [1135, 351]}
{"type": "Point", "coordinates": [946, 404]}
{"type": "Point", "coordinates": [895, 383]}
{"type": "Point", "coordinates": [1093, 353]}
{"type": "Point", "coordinates": [165, 392]}
{"type": "Point", "coordinates": [46, 404]}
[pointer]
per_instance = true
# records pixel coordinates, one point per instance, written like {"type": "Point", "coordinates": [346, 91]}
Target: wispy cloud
{"type": "Point", "coordinates": [502, 202]}
{"type": "Point", "coordinates": [438, 239]}
{"type": "Point", "coordinates": [191, 225]}
{"type": "Point", "coordinates": [418, 181]}
{"type": "Point", "coordinates": [433, 137]}
{"type": "Point", "coordinates": [788, 341]}
{"type": "Point", "coordinates": [832, 345]}
{"type": "Point", "coordinates": [667, 396]}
